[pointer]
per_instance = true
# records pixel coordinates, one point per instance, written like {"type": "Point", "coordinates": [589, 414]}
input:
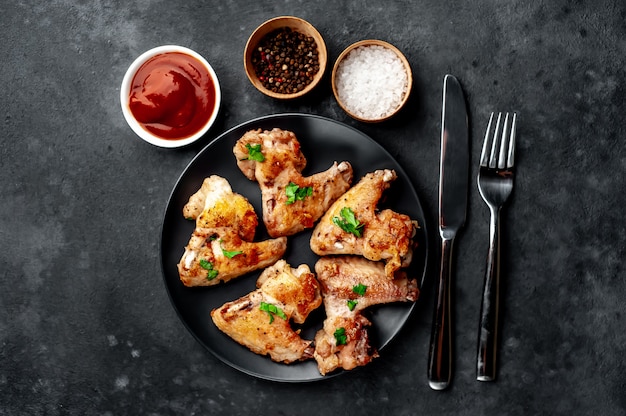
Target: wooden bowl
{"type": "Point", "coordinates": [298, 25]}
{"type": "Point", "coordinates": [348, 107]}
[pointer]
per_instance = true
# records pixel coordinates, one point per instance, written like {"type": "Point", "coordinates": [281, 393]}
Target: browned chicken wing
{"type": "Point", "coordinates": [221, 246]}
{"type": "Point", "coordinates": [216, 205]}
{"type": "Point", "coordinates": [349, 285]}
{"type": "Point", "coordinates": [261, 319]}
{"type": "Point", "coordinates": [215, 255]}
{"type": "Point", "coordinates": [376, 235]}
{"type": "Point", "coordinates": [291, 202]}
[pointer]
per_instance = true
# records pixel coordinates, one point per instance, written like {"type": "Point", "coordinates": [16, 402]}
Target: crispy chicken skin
{"type": "Point", "coordinates": [387, 235]}
{"type": "Point", "coordinates": [221, 246]}
{"type": "Point", "coordinates": [294, 291]}
{"type": "Point", "coordinates": [216, 205]}
{"type": "Point", "coordinates": [338, 277]}
{"type": "Point", "coordinates": [206, 250]}
{"type": "Point", "coordinates": [283, 164]}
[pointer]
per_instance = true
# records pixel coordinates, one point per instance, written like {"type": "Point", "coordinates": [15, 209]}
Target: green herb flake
{"type": "Point", "coordinates": [348, 222]}
{"type": "Point", "coordinates": [359, 289]}
{"type": "Point", "coordinates": [228, 253]}
{"type": "Point", "coordinates": [352, 304]}
{"type": "Point", "coordinates": [295, 193]}
{"type": "Point", "coordinates": [254, 152]}
{"type": "Point", "coordinates": [207, 265]}
{"type": "Point", "coordinates": [340, 336]}
{"type": "Point", "coordinates": [272, 310]}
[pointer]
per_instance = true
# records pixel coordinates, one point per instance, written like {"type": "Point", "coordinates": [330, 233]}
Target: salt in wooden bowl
{"type": "Point", "coordinates": [371, 80]}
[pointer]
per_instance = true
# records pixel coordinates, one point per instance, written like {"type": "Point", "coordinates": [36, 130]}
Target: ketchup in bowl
{"type": "Point", "coordinates": [170, 96]}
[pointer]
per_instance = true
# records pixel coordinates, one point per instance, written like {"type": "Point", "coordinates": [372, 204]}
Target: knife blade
{"type": "Point", "coordinates": [453, 190]}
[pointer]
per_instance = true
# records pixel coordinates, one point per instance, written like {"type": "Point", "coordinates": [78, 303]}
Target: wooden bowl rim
{"type": "Point", "coordinates": [294, 23]}
{"type": "Point", "coordinates": [371, 42]}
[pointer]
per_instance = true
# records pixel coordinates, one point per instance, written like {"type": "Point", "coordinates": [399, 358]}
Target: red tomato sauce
{"type": "Point", "coordinates": [172, 95]}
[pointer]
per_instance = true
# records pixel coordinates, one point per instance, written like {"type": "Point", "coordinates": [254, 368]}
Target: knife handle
{"type": "Point", "coordinates": [488, 330]}
{"type": "Point", "coordinates": [440, 351]}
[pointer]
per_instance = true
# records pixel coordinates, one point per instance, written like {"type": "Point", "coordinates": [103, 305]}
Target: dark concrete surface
{"type": "Point", "coordinates": [86, 326]}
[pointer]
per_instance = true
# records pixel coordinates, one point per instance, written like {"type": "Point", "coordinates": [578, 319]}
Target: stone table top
{"type": "Point", "coordinates": [86, 324]}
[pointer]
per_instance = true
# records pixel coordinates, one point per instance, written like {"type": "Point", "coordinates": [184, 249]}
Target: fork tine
{"type": "Point", "coordinates": [494, 146]}
{"type": "Point", "coordinates": [504, 143]}
{"type": "Point", "coordinates": [483, 155]}
{"type": "Point", "coordinates": [511, 159]}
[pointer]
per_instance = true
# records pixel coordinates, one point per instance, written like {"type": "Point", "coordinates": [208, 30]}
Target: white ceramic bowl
{"type": "Point", "coordinates": [125, 98]}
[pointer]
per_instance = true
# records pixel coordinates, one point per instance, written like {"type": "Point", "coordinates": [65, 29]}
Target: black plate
{"type": "Point", "coordinates": [323, 141]}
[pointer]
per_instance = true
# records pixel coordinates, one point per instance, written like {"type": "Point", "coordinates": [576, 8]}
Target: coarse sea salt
{"type": "Point", "coordinates": [371, 82]}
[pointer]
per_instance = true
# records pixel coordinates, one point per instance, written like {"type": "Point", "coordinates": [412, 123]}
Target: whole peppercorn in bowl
{"type": "Point", "coordinates": [285, 57]}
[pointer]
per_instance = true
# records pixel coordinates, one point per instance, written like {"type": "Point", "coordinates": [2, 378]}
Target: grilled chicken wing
{"type": "Point", "coordinates": [282, 165]}
{"type": "Point", "coordinates": [386, 235]}
{"type": "Point", "coordinates": [216, 205]}
{"type": "Point", "coordinates": [218, 254]}
{"type": "Point", "coordinates": [343, 342]}
{"type": "Point", "coordinates": [255, 319]}
{"type": "Point", "coordinates": [221, 246]}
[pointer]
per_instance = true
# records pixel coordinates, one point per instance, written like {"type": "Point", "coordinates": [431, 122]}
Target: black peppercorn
{"type": "Point", "coordinates": [286, 61]}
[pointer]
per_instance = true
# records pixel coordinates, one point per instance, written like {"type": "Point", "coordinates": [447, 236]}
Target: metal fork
{"type": "Point", "coordinates": [495, 183]}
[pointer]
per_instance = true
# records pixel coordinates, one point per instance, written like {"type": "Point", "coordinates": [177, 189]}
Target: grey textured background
{"type": "Point", "coordinates": [86, 326]}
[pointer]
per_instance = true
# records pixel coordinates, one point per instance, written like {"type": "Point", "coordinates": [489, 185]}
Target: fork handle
{"type": "Point", "coordinates": [440, 351]}
{"type": "Point", "coordinates": [486, 365]}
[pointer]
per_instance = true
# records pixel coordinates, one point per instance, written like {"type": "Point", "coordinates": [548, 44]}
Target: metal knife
{"type": "Point", "coordinates": [453, 190]}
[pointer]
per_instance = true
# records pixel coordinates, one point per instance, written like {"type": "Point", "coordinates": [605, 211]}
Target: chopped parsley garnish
{"type": "Point", "coordinates": [359, 289]}
{"type": "Point", "coordinates": [229, 254]}
{"type": "Point", "coordinates": [295, 193]}
{"type": "Point", "coordinates": [272, 310]}
{"type": "Point", "coordinates": [209, 267]}
{"type": "Point", "coordinates": [254, 152]}
{"type": "Point", "coordinates": [340, 336]}
{"type": "Point", "coordinates": [348, 222]}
